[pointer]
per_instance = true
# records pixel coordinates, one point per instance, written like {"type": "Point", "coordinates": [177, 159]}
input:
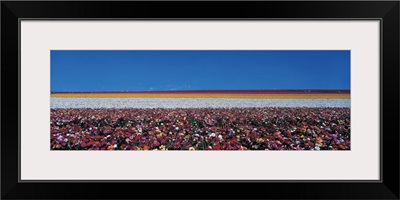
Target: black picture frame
{"type": "Point", "coordinates": [13, 11]}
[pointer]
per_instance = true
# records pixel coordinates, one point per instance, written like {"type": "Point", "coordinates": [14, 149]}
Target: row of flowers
{"type": "Point", "coordinates": [269, 128]}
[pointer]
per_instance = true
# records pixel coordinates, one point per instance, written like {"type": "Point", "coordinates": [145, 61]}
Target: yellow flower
{"type": "Point", "coordinates": [160, 135]}
{"type": "Point", "coordinates": [260, 140]}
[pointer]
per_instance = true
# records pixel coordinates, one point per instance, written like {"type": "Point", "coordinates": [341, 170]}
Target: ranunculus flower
{"type": "Point", "coordinates": [201, 128]}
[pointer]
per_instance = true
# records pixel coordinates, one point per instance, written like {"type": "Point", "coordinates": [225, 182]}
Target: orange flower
{"type": "Point", "coordinates": [319, 141]}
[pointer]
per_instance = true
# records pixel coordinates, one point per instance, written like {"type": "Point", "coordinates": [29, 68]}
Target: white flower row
{"type": "Point", "coordinates": [192, 103]}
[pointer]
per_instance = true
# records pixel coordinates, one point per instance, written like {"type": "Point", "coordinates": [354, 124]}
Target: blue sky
{"type": "Point", "coordinates": [150, 70]}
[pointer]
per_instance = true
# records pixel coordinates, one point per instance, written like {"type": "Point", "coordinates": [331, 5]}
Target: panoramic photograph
{"type": "Point", "coordinates": [192, 100]}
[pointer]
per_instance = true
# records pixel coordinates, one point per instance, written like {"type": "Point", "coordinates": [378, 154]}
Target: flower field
{"type": "Point", "coordinates": [240, 94]}
{"type": "Point", "coordinates": [201, 120]}
{"type": "Point", "coordinates": [234, 128]}
{"type": "Point", "coordinates": [193, 103]}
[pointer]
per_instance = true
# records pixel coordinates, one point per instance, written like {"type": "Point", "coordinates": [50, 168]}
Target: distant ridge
{"type": "Point", "coordinates": [216, 92]}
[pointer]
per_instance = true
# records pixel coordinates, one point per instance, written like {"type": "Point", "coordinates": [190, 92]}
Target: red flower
{"type": "Point", "coordinates": [217, 146]}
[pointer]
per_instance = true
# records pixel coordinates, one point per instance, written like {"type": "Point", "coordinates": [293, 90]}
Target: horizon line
{"type": "Point", "coordinates": [212, 91]}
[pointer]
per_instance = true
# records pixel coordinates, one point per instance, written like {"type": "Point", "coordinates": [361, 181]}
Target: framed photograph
{"type": "Point", "coordinates": [297, 98]}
